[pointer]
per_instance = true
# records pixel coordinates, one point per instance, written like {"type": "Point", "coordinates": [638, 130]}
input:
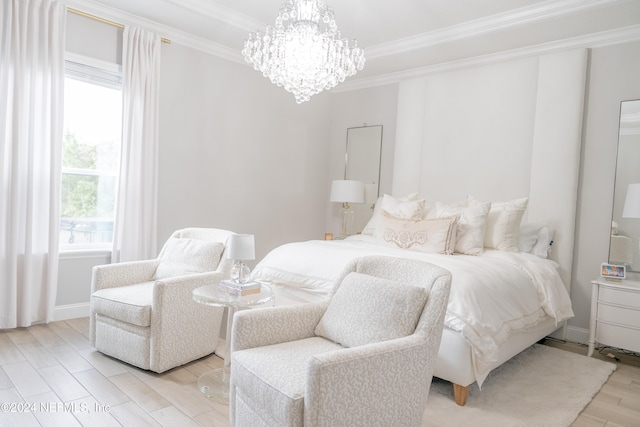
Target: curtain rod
{"type": "Point", "coordinates": [106, 21]}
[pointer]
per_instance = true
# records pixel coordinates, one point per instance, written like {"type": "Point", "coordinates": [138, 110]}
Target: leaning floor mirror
{"type": "Point", "coordinates": [362, 163]}
{"type": "Point", "coordinates": [624, 246]}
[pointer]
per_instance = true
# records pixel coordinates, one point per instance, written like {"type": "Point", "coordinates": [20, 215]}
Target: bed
{"type": "Point", "coordinates": [502, 300]}
{"type": "Point", "coordinates": [498, 132]}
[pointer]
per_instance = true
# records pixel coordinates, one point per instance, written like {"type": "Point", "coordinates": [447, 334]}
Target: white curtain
{"type": "Point", "coordinates": [31, 119]}
{"type": "Point", "coordinates": [136, 214]}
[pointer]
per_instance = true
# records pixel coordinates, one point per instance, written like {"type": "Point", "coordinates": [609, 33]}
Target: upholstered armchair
{"type": "Point", "coordinates": [143, 312]}
{"type": "Point", "coordinates": [365, 357]}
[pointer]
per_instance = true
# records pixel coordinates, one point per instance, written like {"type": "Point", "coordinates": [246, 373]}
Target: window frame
{"type": "Point", "coordinates": [102, 73]}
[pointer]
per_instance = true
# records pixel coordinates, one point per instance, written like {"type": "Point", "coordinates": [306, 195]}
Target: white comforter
{"type": "Point", "coordinates": [492, 295]}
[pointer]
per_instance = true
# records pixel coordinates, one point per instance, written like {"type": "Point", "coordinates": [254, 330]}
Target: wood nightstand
{"type": "Point", "coordinates": [615, 314]}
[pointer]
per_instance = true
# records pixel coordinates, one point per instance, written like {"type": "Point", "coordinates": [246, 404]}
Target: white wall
{"type": "Point", "coordinates": [238, 153]}
{"type": "Point", "coordinates": [373, 106]}
{"type": "Point", "coordinates": [613, 77]}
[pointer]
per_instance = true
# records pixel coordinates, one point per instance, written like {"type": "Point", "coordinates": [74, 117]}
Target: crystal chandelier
{"type": "Point", "coordinates": [304, 51]}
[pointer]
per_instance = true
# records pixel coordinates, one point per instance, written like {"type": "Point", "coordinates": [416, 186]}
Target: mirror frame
{"type": "Point", "coordinates": [626, 172]}
{"type": "Point", "coordinates": [362, 162]}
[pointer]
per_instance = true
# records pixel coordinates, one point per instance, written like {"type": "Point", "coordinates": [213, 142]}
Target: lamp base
{"type": "Point", "coordinates": [240, 272]}
{"type": "Point", "coordinates": [347, 220]}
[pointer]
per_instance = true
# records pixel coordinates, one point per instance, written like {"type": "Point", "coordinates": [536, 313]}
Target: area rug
{"type": "Point", "coordinates": [542, 386]}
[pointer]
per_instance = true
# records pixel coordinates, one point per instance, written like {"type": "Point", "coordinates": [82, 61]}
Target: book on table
{"type": "Point", "coordinates": [241, 288]}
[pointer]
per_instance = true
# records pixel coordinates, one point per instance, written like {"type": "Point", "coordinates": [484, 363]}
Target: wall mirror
{"type": "Point", "coordinates": [624, 247]}
{"type": "Point", "coordinates": [362, 163]}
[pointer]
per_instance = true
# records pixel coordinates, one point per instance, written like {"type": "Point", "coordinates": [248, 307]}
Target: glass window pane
{"type": "Point", "coordinates": [90, 160]}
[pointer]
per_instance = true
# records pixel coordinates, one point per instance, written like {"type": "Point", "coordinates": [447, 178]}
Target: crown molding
{"type": "Point", "coordinates": [525, 15]}
{"type": "Point", "coordinates": [220, 13]}
{"type": "Point", "coordinates": [546, 10]}
{"type": "Point", "coordinates": [604, 38]}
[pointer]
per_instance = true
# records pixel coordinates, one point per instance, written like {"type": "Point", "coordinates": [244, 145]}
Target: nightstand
{"type": "Point", "coordinates": [615, 314]}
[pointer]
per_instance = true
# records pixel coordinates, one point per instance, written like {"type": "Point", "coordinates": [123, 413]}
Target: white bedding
{"type": "Point", "coordinates": [492, 296]}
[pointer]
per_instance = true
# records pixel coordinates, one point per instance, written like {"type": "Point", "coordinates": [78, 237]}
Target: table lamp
{"type": "Point", "coordinates": [241, 248]}
{"type": "Point", "coordinates": [346, 191]}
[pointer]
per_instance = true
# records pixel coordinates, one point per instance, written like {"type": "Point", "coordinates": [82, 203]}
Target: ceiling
{"type": "Point", "coordinates": [397, 35]}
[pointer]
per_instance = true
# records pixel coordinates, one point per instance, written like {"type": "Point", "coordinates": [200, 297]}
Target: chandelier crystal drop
{"type": "Point", "coordinates": [304, 51]}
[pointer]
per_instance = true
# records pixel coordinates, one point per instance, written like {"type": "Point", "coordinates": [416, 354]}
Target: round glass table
{"type": "Point", "coordinates": [216, 383]}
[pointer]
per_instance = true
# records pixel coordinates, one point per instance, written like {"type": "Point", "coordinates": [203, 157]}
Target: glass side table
{"type": "Point", "coordinates": [216, 383]}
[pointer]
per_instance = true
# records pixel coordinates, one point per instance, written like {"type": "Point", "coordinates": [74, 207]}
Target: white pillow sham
{"type": "Point", "coordinates": [536, 238]}
{"type": "Point", "coordinates": [408, 207]}
{"type": "Point", "coordinates": [528, 236]}
{"type": "Point", "coordinates": [503, 224]}
{"type": "Point", "coordinates": [471, 225]}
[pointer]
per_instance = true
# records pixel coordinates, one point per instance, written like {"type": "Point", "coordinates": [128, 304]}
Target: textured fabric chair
{"type": "Point", "coordinates": [143, 313]}
{"type": "Point", "coordinates": [365, 357]}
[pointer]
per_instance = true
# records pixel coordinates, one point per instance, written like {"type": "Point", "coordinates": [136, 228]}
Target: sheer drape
{"type": "Point", "coordinates": [31, 118]}
{"type": "Point", "coordinates": [136, 218]}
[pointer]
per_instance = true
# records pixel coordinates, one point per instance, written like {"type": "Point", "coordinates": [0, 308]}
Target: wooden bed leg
{"type": "Point", "coordinates": [460, 394]}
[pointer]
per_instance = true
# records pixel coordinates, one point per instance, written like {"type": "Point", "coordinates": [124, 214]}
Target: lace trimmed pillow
{"type": "Point", "coordinates": [433, 235]}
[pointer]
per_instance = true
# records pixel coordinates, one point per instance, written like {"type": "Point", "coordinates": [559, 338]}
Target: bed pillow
{"type": "Point", "coordinates": [433, 235]}
{"type": "Point", "coordinates": [543, 245]}
{"type": "Point", "coordinates": [408, 207]}
{"type": "Point", "coordinates": [528, 236]}
{"type": "Point", "coordinates": [503, 224]}
{"type": "Point", "coordinates": [367, 309]}
{"type": "Point", "coordinates": [188, 256]}
{"type": "Point", "coordinates": [471, 225]}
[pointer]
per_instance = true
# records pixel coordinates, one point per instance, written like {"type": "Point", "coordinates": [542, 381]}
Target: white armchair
{"type": "Point", "coordinates": [143, 312]}
{"type": "Point", "coordinates": [365, 357]}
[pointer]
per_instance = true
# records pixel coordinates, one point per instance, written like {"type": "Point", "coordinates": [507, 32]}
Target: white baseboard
{"type": "Point", "coordinates": [579, 335]}
{"type": "Point", "coordinates": [70, 311]}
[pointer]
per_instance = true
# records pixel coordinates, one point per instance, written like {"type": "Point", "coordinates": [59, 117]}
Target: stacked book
{"type": "Point", "coordinates": [240, 288]}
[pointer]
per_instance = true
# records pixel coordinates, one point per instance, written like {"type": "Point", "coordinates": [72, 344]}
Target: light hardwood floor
{"type": "Point", "coordinates": [67, 383]}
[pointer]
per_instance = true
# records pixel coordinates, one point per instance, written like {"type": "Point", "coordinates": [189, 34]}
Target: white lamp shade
{"type": "Point", "coordinates": [241, 247]}
{"type": "Point", "coordinates": [632, 202]}
{"type": "Point", "coordinates": [347, 191]}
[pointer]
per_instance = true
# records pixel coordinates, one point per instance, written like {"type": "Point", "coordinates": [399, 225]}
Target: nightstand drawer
{"type": "Point", "coordinates": [619, 315]}
{"type": "Point", "coordinates": [617, 336]}
{"type": "Point", "coordinates": [620, 297]}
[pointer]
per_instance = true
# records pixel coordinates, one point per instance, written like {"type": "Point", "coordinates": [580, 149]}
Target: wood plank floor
{"type": "Point", "coordinates": [50, 376]}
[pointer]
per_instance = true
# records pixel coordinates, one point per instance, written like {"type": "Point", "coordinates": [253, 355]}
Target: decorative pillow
{"type": "Point", "coordinates": [433, 235]}
{"type": "Point", "coordinates": [367, 309]}
{"type": "Point", "coordinates": [528, 236]}
{"type": "Point", "coordinates": [188, 256]}
{"type": "Point", "coordinates": [542, 248]}
{"type": "Point", "coordinates": [471, 225]}
{"type": "Point", "coordinates": [503, 224]}
{"type": "Point", "coordinates": [407, 207]}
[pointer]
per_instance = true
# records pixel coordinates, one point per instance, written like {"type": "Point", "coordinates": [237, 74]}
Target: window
{"type": "Point", "coordinates": [91, 154]}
